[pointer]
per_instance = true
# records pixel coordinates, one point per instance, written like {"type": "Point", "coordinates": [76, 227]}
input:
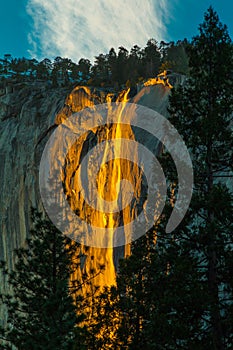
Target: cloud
{"type": "Point", "coordinates": [85, 28]}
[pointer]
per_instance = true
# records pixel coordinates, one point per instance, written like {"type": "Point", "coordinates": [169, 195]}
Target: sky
{"type": "Point", "coordinates": [86, 28]}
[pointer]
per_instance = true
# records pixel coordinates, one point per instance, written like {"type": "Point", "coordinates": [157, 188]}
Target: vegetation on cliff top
{"type": "Point", "coordinates": [115, 69]}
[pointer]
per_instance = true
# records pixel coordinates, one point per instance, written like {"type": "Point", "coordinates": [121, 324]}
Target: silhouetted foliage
{"type": "Point", "coordinates": [124, 68]}
{"type": "Point", "coordinates": [42, 313]}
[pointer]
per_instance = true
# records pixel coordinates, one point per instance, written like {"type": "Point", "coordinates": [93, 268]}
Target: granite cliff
{"type": "Point", "coordinates": [29, 112]}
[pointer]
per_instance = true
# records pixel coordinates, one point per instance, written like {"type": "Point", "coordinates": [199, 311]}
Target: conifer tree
{"type": "Point", "coordinates": [41, 310]}
{"type": "Point", "coordinates": [177, 293]}
{"type": "Point", "coordinates": [202, 112]}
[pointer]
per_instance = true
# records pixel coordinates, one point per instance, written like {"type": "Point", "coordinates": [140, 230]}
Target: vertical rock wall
{"type": "Point", "coordinates": [28, 115]}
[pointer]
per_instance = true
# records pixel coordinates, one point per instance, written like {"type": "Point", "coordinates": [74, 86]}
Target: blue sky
{"type": "Point", "coordinates": [85, 28]}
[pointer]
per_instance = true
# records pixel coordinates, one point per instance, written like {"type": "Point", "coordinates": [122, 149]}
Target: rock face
{"type": "Point", "coordinates": [28, 115]}
{"type": "Point", "coordinates": [25, 114]}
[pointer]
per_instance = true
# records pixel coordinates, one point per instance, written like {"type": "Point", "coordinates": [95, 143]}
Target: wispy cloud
{"type": "Point", "coordinates": [85, 28]}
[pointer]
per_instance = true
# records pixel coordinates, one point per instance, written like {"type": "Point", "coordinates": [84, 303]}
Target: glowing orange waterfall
{"type": "Point", "coordinates": [161, 78]}
{"type": "Point", "coordinates": [110, 176]}
{"type": "Point", "coordinates": [107, 182]}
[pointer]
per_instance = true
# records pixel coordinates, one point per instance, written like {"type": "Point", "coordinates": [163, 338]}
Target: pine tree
{"type": "Point", "coordinates": [152, 59]}
{"type": "Point", "coordinates": [202, 113]}
{"type": "Point", "coordinates": [41, 309]}
{"type": "Point", "coordinates": [178, 293]}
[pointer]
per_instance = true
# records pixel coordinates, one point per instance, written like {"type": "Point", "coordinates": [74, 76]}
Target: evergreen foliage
{"type": "Point", "coordinates": [109, 70]}
{"type": "Point", "coordinates": [41, 306]}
